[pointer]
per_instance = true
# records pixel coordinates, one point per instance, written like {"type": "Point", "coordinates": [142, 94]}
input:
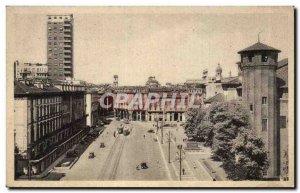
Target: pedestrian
{"type": "Point", "coordinates": [144, 136]}
{"type": "Point", "coordinates": [183, 171]}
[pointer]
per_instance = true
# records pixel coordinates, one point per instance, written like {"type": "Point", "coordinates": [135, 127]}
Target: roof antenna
{"type": "Point", "coordinates": [258, 37]}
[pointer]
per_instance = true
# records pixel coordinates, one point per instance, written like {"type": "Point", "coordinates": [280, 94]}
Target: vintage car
{"type": "Point", "coordinates": [91, 155]}
{"type": "Point", "coordinates": [144, 165]}
{"type": "Point", "coordinates": [72, 153]}
{"type": "Point", "coordinates": [126, 121]}
{"type": "Point", "coordinates": [102, 145]}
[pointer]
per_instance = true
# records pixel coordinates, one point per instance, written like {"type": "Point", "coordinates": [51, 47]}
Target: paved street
{"type": "Point", "coordinates": [122, 154]}
{"type": "Point", "coordinates": [118, 160]}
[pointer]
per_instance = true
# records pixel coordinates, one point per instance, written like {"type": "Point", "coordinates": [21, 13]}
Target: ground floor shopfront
{"type": "Point", "coordinates": [38, 164]}
{"type": "Point", "coordinates": [141, 115]}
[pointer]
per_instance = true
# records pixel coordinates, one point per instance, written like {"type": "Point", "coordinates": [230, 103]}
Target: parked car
{"type": "Point", "coordinates": [100, 123]}
{"type": "Point", "coordinates": [126, 131]}
{"type": "Point", "coordinates": [91, 155]}
{"type": "Point", "coordinates": [151, 131]}
{"type": "Point", "coordinates": [102, 145]}
{"type": "Point", "coordinates": [144, 165]}
{"type": "Point", "coordinates": [126, 121]}
{"type": "Point", "coordinates": [72, 153]}
{"type": "Point", "coordinates": [106, 121]}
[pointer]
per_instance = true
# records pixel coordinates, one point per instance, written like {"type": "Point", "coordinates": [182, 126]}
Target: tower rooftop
{"type": "Point", "coordinates": [259, 47]}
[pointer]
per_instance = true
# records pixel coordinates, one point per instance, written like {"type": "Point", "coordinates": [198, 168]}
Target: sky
{"type": "Point", "coordinates": [172, 44]}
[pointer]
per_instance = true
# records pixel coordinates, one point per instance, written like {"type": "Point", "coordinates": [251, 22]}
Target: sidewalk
{"type": "Point", "coordinates": [197, 164]}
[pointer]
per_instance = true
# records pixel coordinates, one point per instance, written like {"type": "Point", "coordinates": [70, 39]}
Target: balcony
{"type": "Point", "coordinates": [67, 24]}
{"type": "Point", "coordinates": [67, 68]}
{"type": "Point", "coordinates": [68, 62]}
{"type": "Point", "coordinates": [67, 34]}
{"type": "Point", "coordinates": [67, 72]}
{"type": "Point", "coordinates": [67, 52]}
{"type": "Point", "coordinates": [67, 56]}
{"type": "Point", "coordinates": [68, 40]}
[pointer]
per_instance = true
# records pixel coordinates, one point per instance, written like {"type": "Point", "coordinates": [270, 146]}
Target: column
{"type": "Point", "coordinates": [146, 116]}
{"type": "Point", "coordinates": [183, 117]}
{"type": "Point", "coordinates": [168, 116]}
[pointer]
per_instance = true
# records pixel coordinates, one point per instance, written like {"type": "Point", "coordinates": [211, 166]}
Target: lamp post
{"type": "Point", "coordinates": [29, 161]}
{"type": "Point", "coordinates": [169, 147]}
{"type": "Point", "coordinates": [180, 149]}
{"type": "Point", "coordinates": [162, 128]}
{"type": "Point", "coordinates": [156, 120]}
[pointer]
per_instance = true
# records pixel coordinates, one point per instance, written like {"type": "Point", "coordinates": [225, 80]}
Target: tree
{"type": "Point", "coordinates": [226, 128]}
{"type": "Point", "coordinates": [205, 131]}
{"type": "Point", "coordinates": [250, 157]}
{"type": "Point", "coordinates": [285, 166]}
{"type": "Point", "coordinates": [191, 123]}
{"type": "Point", "coordinates": [229, 119]}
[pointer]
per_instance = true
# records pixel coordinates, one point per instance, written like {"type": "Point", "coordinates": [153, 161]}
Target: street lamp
{"type": "Point", "coordinates": [29, 152]}
{"type": "Point", "coordinates": [169, 147]}
{"type": "Point", "coordinates": [162, 127]}
{"type": "Point", "coordinates": [180, 149]}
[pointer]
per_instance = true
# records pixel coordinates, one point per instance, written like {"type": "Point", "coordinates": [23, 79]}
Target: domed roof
{"type": "Point", "coordinates": [152, 81]}
{"type": "Point", "coordinates": [259, 47]}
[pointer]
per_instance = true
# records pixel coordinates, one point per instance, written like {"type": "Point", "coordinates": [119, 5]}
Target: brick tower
{"type": "Point", "coordinates": [258, 66]}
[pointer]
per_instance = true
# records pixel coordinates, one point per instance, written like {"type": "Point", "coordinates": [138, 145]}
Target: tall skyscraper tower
{"type": "Point", "coordinates": [60, 46]}
{"type": "Point", "coordinates": [258, 66]}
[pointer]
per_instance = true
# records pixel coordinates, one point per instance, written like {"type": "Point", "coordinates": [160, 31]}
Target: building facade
{"type": "Point", "coordinates": [30, 70]}
{"type": "Point", "coordinates": [60, 46]}
{"type": "Point", "coordinates": [162, 109]}
{"type": "Point", "coordinates": [48, 121]}
{"type": "Point", "coordinates": [259, 63]}
{"type": "Point", "coordinates": [92, 107]}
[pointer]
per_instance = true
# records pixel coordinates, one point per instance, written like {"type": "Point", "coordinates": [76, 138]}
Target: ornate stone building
{"type": "Point", "coordinates": [49, 119]}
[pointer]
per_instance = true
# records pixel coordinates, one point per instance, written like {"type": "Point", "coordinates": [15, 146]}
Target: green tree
{"type": "Point", "coordinates": [229, 119]}
{"type": "Point", "coordinates": [285, 165]}
{"type": "Point", "coordinates": [250, 157]}
{"type": "Point", "coordinates": [191, 123]}
{"type": "Point", "coordinates": [205, 132]}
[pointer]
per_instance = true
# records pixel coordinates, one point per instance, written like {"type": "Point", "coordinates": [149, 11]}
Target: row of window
{"type": "Point", "coordinates": [263, 101]}
{"type": "Point", "coordinates": [45, 110]}
{"type": "Point", "coordinates": [264, 58]}
{"type": "Point", "coordinates": [282, 123]}
{"type": "Point", "coordinates": [56, 43]}
{"type": "Point", "coordinates": [56, 28]}
{"type": "Point", "coordinates": [55, 38]}
{"type": "Point", "coordinates": [31, 69]}
{"type": "Point", "coordinates": [45, 128]}
{"type": "Point", "coordinates": [55, 17]}
{"type": "Point", "coordinates": [46, 100]}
